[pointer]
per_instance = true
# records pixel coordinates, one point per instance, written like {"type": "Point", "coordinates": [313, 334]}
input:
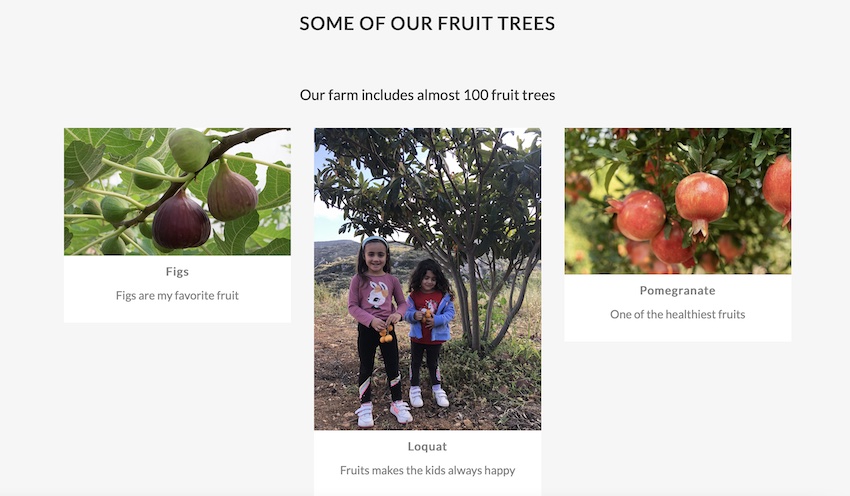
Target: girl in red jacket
{"type": "Point", "coordinates": [429, 311]}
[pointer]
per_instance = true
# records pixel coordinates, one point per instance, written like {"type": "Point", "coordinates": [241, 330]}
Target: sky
{"type": "Point", "coordinates": [326, 221]}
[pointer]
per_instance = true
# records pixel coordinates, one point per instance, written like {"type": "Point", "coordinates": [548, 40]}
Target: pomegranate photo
{"type": "Point", "coordinates": [688, 201]}
{"type": "Point", "coordinates": [640, 215]}
{"type": "Point", "coordinates": [777, 188]}
{"type": "Point", "coordinates": [669, 250]}
{"type": "Point", "coordinates": [701, 198]}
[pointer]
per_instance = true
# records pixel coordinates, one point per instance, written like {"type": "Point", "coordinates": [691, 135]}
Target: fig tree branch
{"type": "Point", "coordinates": [225, 143]}
{"type": "Point", "coordinates": [131, 241]}
{"type": "Point", "coordinates": [106, 192]}
{"type": "Point", "coordinates": [152, 175]}
{"type": "Point", "coordinates": [101, 239]}
{"type": "Point", "coordinates": [257, 161]}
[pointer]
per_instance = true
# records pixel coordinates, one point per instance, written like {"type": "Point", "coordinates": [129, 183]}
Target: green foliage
{"type": "Point", "coordinates": [468, 198]}
{"type": "Point", "coordinates": [618, 161]}
{"type": "Point", "coordinates": [99, 163]}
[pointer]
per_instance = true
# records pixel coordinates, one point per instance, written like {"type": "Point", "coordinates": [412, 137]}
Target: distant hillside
{"type": "Point", "coordinates": [329, 251]}
{"type": "Point", "coordinates": [336, 261]}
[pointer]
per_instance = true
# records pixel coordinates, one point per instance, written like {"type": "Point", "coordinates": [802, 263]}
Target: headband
{"type": "Point", "coordinates": [375, 238]}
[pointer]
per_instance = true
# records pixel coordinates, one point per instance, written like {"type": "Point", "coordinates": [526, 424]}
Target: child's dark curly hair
{"type": "Point", "coordinates": [415, 283]}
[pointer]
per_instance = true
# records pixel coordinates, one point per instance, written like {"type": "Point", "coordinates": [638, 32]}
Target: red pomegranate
{"type": "Point", "coordinates": [575, 186]}
{"type": "Point", "coordinates": [701, 198]}
{"type": "Point", "coordinates": [709, 262]}
{"type": "Point", "coordinates": [650, 172]}
{"type": "Point", "coordinates": [669, 250]}
{"type": "Point", "coordinates": [731, 247]}
{"type": "Point", "coordinates": [620, 132]}
{"type": "Point", "coordinates": [659, 267]}
{"type": "Point", "coordinates": [640, 253]}
{"type": "Point", "coordinates": [777, 188]}
{"type": "Point", "coordinates": [640, 215]}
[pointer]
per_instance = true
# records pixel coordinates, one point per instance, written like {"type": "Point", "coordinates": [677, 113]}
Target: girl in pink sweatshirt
{"type": "Point", "coordinates": [376, 300]}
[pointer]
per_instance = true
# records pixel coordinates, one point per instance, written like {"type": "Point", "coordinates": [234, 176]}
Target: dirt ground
{"type": "Point", "coordinates": [336, 399]}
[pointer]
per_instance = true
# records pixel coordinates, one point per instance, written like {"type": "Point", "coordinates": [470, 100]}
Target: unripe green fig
{"type": "Point", "coordinates": [180, 223]}
{"type": "Point", "coordinates": [145, 230]}
{"type": "Point", "coordinates": [230, 195]}
{"type": "Point", "coordinates": [91, 207]}
{"type": "Point", "coordinates": [114, 209]}
{"type": "Point", "coordinates": [148, 164]}
{"type": "Point", "coordinates": [190, 149]}
{"type": "Point", "coordinates": [113, 246]}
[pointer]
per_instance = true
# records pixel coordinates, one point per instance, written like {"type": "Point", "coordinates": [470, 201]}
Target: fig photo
{"type": "Point", "coordinates": [186, 191]}
{"type": "Point", "coordinates": [677, 200]}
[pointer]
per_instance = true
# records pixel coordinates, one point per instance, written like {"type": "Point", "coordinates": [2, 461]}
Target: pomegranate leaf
{"type": "Point", "coordinates": [610, 175]}
{"type": "Point", "coordinates": [756, 139]}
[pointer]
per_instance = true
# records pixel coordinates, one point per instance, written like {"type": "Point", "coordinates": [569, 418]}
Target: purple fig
{"type": "Point", "coordinates": [230, 195]}
{"type": "Point", "coordinates": [180, 223]}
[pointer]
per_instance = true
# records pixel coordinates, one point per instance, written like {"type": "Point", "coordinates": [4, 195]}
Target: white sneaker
{"type": "Point", "coordinates": [364, 416]}
{"type": "Point", "coordinates": [416, 397]}
{"type": "Point", "coordinates": [401, 411]}
{"type": "Point", "coordinates": [440, 397]}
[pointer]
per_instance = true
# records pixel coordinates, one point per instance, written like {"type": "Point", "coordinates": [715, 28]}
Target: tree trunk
{"type": "Point", "coordinates": [475, 331]}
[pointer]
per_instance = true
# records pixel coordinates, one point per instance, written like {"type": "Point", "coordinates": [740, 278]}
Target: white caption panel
{"type": "Point", "coordinates": [428, 462]}
{"type": "Point", "coordinates": [191, 289]}
{"type": "Point", "coordinates": [609, 307]}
